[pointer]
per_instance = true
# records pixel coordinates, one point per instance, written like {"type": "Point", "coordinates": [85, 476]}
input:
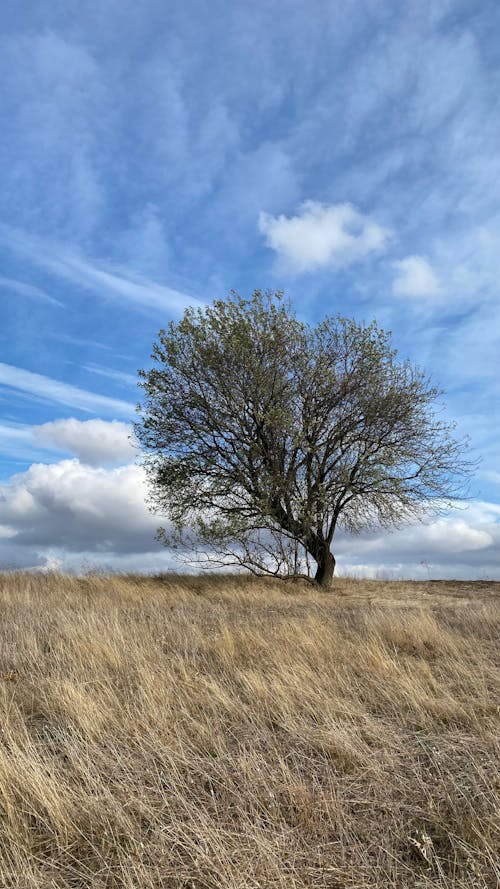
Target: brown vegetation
{"type": "Point", "coordinates": [230, 734]}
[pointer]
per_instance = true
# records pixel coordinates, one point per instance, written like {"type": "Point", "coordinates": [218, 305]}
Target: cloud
{"type": "Point", "coordinates": [56, 131]}
{"type": "Point", "coordinates": [143, 243]}
{"type": "Point", "coordinates": [119, 375]}
{"type": "Point", "coordinates": [67, 509]}
{"type": "Point", "coordinates": [28, 290]}
{"type": "Point", "coordinates": [17, 443]}
{"type": "Point", "coordinates": [141, 148]}
{"type": "Point", "coordinates": [61, 393]}
{"type": "Point", "coordinates": [71, 515]}
{"type": "Point", "coordinates": [435, 540]}
{"type": "Point", "coordinates": [493, 476]}
{"type": "Point", "coordinates": [94, 442]}
{"type": "Point", "coordinates": [322, 235]}
{"type": "Point", "coordinates": [460, 546]}
{"type": "Point", "coordinates": [99, 277]}
{"type": "Point", "coordinates": [415, 277]}
{"type": "Point", "coordinates": [261, 176]}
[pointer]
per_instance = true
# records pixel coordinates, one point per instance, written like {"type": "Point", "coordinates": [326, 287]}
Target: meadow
{"type": "Point", "coordinates": [227, 733]}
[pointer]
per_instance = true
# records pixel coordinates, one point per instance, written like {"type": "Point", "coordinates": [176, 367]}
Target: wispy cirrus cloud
{"type": "Point", "coordinates": [110, 373]}
{"type": "Point", "coordinates": [29, 290]}
{"type": "Point", "coordinates": [322, 235]}
{"type": "Point", "coordinates": [56, 133]}
{"type": "Point", "coordinates": [17, 443]}
{"type": "Point", "coordinates": [104, 279]}
{"type": "Point", "coordinates": [58, 392]}
{"type": "Point", "coordinates": [140, 149]}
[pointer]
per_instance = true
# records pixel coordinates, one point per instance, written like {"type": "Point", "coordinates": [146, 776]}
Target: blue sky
{"type": "Point", "coordinates": [157, 155]}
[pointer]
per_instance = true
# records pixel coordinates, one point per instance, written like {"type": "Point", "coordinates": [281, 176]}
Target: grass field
{"type": "Point", "coordinates": [218, 733]}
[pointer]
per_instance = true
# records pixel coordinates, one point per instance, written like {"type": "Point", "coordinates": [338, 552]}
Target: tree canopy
{"type": "Point", "coordinates": [264, 434]}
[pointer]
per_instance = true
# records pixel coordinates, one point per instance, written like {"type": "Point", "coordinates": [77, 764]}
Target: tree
{"type": "Point", "coordinates": [263, 434]}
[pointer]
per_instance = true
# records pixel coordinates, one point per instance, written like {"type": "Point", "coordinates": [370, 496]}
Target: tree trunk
{"type": "Point", "coordinates": [325, 569]}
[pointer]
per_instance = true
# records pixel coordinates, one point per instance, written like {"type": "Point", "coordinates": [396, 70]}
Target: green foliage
{"type": "Point", "coordinates": [257, 426]}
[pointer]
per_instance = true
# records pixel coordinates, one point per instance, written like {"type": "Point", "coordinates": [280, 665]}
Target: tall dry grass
{"type": "Point", "coordinates": [223, 734]}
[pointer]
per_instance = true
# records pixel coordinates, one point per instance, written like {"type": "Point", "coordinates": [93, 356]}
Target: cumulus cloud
{"type": "Point", "coordinates": [66, 509]}
{"type": "Point", "coordinates": [95, 442]}
{"type": "Point", "coordinates": [415, 277]}
{"type": "Point", "coordinates": [465, 546]}
{"type": "Point", "coordinates": [322, 235]}
{"type": "Point", "coordinates": [73, 515]}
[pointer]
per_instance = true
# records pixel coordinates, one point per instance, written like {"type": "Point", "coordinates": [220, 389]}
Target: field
{"type": "Point", "coordinates": [219, 733]}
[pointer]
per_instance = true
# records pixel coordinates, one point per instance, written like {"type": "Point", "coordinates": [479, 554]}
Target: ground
{"type": "Point", "coordinates": [219, 733]}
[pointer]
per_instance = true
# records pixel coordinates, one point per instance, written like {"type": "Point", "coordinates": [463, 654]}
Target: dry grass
{"type": "Point", "coordinates": [222, 734]}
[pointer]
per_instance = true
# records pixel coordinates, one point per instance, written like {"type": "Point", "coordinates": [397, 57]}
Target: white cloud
{"type": "Point", "coordinates": [466, 546]}
{"type": "Point", "coordinates": [415, 277]}
{"type": "Point", "coordinates": [15, 432]}
{"type": "Point", "coordinates": [439, 539]}
{"type": "Point", "coordinates": [57, 134]}
{"type": "Point", "coordinates": [69, 508]}
{"type": "Point", "coordinates": [143, 243]}
{"type": "Point", "coordinates": [100, 277]}
{"type": "Point", "coordinates": [322, 235]}
{"type": "Point", "coordinates": [492, 476]}
{"type": "Point", "coordinates": [111, 374]}
{"type": "Point", "coordinates": [75, 515]}
{"type": "Point", "coordinates": [17, 443]}
{"type": "Point", "coordinates": [95, 442]}
{"type": "Point", "coordinates": [263, 176]}
{"type": "Point", "coordinates": [28, 290]}
{"type": "Point", "coordinates": [61, 393]}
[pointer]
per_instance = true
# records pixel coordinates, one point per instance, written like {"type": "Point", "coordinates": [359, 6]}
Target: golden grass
{"type": "Point", "coordinates": [219, 733]}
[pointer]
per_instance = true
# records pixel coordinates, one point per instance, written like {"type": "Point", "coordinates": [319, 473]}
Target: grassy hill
{"type": "Point", "coordinates": [221, 733]}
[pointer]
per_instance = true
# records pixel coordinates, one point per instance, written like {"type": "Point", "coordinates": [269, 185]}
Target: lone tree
{"type": "Point", "coordinates": [263, 435]}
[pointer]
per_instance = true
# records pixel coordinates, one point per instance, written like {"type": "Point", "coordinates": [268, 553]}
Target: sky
{"type": "Point", "coordinates": [157, 155]}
